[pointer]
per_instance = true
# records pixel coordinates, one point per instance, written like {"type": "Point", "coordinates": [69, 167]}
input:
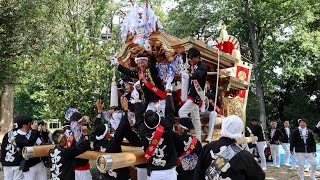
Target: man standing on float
{"type": "Point", "coordinates": [152, 84]}
{"type": "Point", "coordinates": [197, 80]}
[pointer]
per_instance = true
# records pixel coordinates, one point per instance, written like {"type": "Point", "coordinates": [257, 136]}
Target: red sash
{"type": "Point", "coordinates": [190, 149]}
{"type": "Point", "coordinates": [153, 143]}
{"type": "Point", "coordinates": [153, 88]}
{"type": "Point", "coordinates": [217, 109]}
{"type": "Point", "coordinates": [70, 141]}
{"type": "Point", "coordinates": [83, 168]}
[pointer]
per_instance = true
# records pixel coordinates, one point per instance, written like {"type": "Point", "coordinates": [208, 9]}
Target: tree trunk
{"type": "Point", "coordinates": [6, 111]}
{"type": "Point", "coordinates": [254, 38]}
{"type": "Point", "coordinates": [260, 94]}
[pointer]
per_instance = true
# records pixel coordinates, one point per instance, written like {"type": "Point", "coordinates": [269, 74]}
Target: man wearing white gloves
{"type": "Point", "coordinates": [197, 80]}
{"type": "Point", "coordinates": [151, 83]}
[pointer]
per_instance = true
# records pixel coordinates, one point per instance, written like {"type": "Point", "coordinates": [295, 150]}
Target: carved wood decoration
{"type": "Point", "coordinates": [164, 48]}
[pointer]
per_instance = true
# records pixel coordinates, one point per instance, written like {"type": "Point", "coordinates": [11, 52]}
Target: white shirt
{"type": "Point", "coordinates": [304, 133]}
{"type": "Point", "coordinates": [273, 132]}
{"type": "Point", "coordinates": [287, 131]}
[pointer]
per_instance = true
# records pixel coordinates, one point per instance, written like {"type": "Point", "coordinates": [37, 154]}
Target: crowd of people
{"type": "Point", "coordinates": [298, 142]}
{"type": "Point", "coordinates": [145, 117]}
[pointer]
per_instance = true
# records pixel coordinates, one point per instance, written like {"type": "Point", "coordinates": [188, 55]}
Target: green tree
{"type": "Point", "coordinates": [73, 71]}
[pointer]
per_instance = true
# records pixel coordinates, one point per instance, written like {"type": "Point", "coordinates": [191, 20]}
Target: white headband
{"type": "Point", "coordinates": [140, 58]}
{"type": "Point", "coordinates": [104, 134]}
{"type": "Point", "coordinates": [80, 119]}
{"type": "Point", "coordinates": [183, 127]}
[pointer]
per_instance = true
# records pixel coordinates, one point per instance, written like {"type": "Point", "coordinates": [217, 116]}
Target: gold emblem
{"type": "Point", "coordinates": [242, 75]}
{"type": "Point", "coordinates": [154, 141]}
{"type": "Point", "coordinates": [155, 89]}
{"type": "Point", "coordinates": [102, 163]}
{"type": "Point", "coordinates": [220, 163]}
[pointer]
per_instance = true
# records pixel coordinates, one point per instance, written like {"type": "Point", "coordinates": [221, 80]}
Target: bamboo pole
{"type": "Point", "coordinates": [119, 160]}
{"type": "Point", "coordinates": [247, 140]}
{"type": "Point", "coordinates": [43, 150]}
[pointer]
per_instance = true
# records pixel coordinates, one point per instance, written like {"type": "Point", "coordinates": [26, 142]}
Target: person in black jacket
{"type": "Point", "coordinates": [257, 130]}
{"type": "Point", "coordinates": [61, 158]}
{"type": "Point", "coordinates": [304, 146]}
{"type": "Point", "coordinates": [157, 137]}
{"type": "Point", "coordinates": [286, 132]}
{"type": "Point", "coordinates": [150, 81]}
{"type": "Point", "coordinates": [188, 150]}
{"type": "Point", "coordinates": [197, 80]}
{"type": "Point", "coordinates": [275, 137]}
{"type": "Point", "coordinates": [28, 135]}
{"type": "Point", "coordinates": [10, 156]}
{"type": "Point", "coordinates": [81, 166]}
{"type": "Point", "coordinates": [105, 143]}
{"type": "Point", "coordinates": [224, 159]}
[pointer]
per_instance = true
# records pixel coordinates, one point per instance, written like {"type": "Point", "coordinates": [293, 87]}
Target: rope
{"type": "Point", "coordinates": [217, 83]}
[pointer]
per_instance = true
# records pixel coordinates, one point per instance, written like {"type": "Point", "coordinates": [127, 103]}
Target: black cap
{"type": "Point", "coordinates": [186, 123]}
{"type": "Point", "coordinates": [299, 120]}
{"type": "Point", "coordinates": [76, 116]}
{"type": "Point", "coordinates": [126, 79]}
{"type": "Point", "coordinates": [101, 131]}
{"type": "Point", "coordinates": [151, 119]}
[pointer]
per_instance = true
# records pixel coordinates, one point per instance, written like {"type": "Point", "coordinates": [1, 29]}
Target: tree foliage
{"type": "Point", "coordinates": [73, 71]}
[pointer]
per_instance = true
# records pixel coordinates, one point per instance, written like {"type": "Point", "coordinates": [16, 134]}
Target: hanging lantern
{"type": "Point", "coordinates": [114, 91]}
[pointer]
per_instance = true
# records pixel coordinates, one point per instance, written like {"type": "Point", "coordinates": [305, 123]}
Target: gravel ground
{"type": "Point", "coordinates": [283, 173]}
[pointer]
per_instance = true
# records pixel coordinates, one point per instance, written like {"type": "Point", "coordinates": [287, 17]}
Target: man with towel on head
{"type": "Point", "coordinates": [224, 159]}
{"type": "Point", "coordinates": [152, 85]}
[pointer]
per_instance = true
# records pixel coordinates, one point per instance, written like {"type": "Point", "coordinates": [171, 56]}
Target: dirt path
{"type": "Point", "coordinates": [284, 173]}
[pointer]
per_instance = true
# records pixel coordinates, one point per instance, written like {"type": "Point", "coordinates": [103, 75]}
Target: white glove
{"type": "Point", "coordinates": [185, 75]}
{"type": "Point", "coordinates": [318, 125]}
{"type": "Point", "coordinates": [169, 86]}
{"type": "Point", "coordinates": [114, 61]}
{"type": "Point", "coordinates": [135, 94]}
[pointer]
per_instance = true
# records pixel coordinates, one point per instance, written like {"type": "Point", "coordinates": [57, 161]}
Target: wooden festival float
{"type": "Point", "coordinates": [142, 34]}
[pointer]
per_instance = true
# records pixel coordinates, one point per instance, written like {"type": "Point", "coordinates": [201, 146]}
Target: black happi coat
{"type": "Point", "coordinates": [298, 144]}
{"type": "Point", "coordinates": [242, 166]}
{"type": "Point", "coordinates": [128, 96]}
{"type": "Point", "coordinates": [181, 144]}
{"type": "Point", "coordinates": [276, 137]}
{"type": "Point", "coordinates": [200, 74]}
{"type": "Point", "coordinates": [166, 145]}
{"type": "Point", "coordinates": [257, 130]}
{"type": "Point", "coordinates": [10, 153]}
{"type": "Point", "coordinates": [114, 145]}
{"type": "Point", "coordinates": [22, 141]}
{"type": "Point", "coordinates": [286, 137]}
{"type": "Point", "coordinates": [60, 159]}
{"type": "Point", "coordinates": [149, 95]}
